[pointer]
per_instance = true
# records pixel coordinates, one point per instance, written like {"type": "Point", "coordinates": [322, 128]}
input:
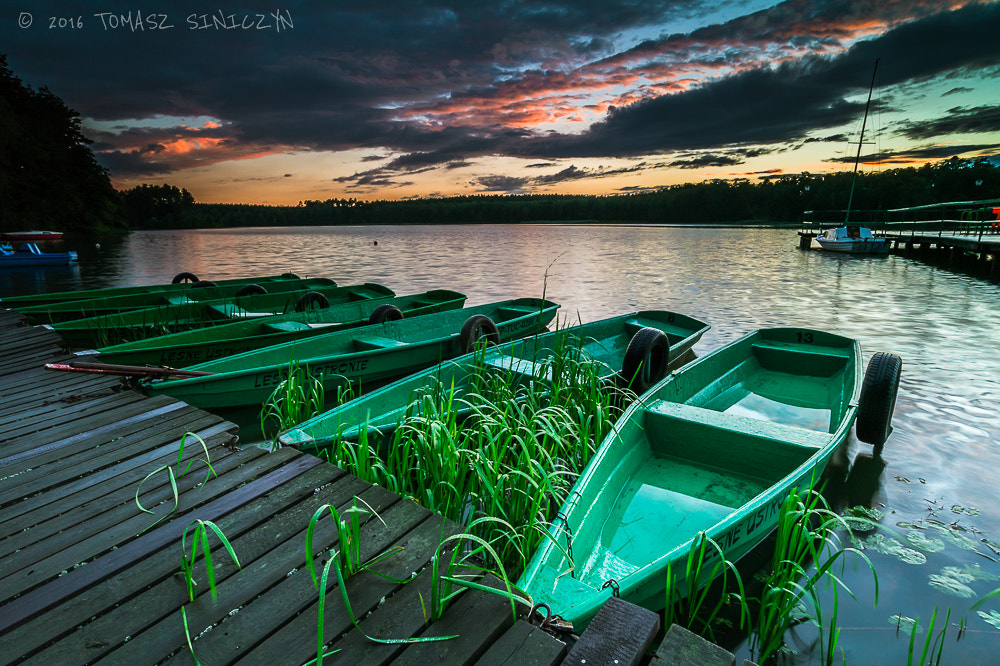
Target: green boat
{"type": "Point", "coordinates": [94, 307]}
{"type": "Point", "coordinates": [182, 282]}
{"type": "Point", "coordinates": [714, 448]}
{"type": "Point", "coordinates": [364, 357]}
{"type": "Point", "coordinates": [636, 348]}
{"type": "Point", "coordinates": [186, 348]}
{"type": "Point", "coordinates": [110, 329]}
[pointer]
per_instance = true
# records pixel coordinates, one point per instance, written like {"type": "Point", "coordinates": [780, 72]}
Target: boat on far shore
{"type": "Point", "coordinates": [31, 236]}
{"type": "Point", "coordinates": [28, 254]}
{"type": "Point", "coordinates": [852, 239]}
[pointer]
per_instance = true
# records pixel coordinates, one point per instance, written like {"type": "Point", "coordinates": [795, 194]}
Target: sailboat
{"type": "Point", "coordinates": [853, 238]}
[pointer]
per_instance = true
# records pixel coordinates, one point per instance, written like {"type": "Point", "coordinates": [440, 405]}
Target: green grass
{"type": "Point", "coordinates": [506, 448]}
{"type": "Point", "coordinates": [298, 397]}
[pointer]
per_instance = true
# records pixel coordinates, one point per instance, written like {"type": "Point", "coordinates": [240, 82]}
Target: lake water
{"type": "Point", "coordinates": [937, 483]}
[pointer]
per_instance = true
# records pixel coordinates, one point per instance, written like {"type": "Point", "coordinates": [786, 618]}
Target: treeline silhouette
{"type": "Point", "coordinates": [49, 178]}
{"type": "Point", "coordinates": [775, 200]}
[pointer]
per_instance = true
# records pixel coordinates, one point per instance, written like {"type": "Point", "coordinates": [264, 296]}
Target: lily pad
{"type": "Point", "coordinates": [881, 544]}
{"type": "Point", "coordinates": [950, 585]}
{"type": "Point", "coordinates": [967, 510]}
{"type": "Point", "coordinates": [993, 618]}
{"type": "Point", "coordinates": [925, 543]}
{"type": "Point", "coordinates": [905, 624]}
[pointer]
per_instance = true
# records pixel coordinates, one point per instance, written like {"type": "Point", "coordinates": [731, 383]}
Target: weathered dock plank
{"type": "Point", "coordinates": [87, 576]}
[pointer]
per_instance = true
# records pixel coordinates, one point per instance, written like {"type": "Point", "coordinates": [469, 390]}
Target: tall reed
{"type": "Point", "coordinates": [299, 396]}
{"type": "Point", "coordinates": [508, 446]}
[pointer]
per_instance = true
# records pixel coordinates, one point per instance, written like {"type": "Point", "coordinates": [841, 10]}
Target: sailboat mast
{"type": "Point", "coordinates": [857, 159]}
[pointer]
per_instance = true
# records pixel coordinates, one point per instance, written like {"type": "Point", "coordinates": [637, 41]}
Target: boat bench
{"type": "Point", "coordinates": [371, 343]}
{"type": "Point", "coordinates": [288, 326]}
{"type": "Point", "coordinates": [520, 366]}
{"type": "Point", "coordinates": [743, 424]}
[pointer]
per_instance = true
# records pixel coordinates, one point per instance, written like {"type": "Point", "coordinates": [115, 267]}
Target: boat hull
{"type": "Point", "coordinates": [106, 330]}
{"type": "Point", "coordinates": [363, 357]}
{"type": "Point", "coordinates": [605, 342]}
{"type": "Point", "coordinates": [715, 449]}
{"type": "Point", "coordinates": [180, 350]}
{"type": "Point", "coordinates": [877, 246]}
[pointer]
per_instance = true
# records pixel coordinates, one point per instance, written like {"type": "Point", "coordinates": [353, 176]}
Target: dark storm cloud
{"type": "Point", "coordinates": [339, 78]}
{"type": "Point", "coordinates": [958, 121]}
{"type": "Point", "coordinates": [784, 103]}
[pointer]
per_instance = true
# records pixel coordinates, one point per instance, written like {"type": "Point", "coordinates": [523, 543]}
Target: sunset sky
{"type": "Point", "coordinates": [393, 100]}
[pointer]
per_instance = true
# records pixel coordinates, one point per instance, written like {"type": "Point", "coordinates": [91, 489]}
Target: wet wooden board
{"type": "Point", "coordinates": [88, 576]}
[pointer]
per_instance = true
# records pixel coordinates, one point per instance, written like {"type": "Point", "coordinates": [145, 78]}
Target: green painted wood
{"type": "Point", "coordinates": [338, 358]}
{"type": "Point", "coordinates": [187, 348]}
{"type": "Point", "coordinates": [681, 647]}
{"type": "Point", "coordinates": [524, 645]}
{"type": "Point", "coordinates": [605, 342]}
{"type": "Point", "coordinates": [620, 633]}
{"type": "Point", "coordinates": [714, 447]}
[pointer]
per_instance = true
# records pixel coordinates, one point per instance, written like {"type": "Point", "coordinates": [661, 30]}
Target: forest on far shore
{"type": "Point", "coordinates": [777, 200]}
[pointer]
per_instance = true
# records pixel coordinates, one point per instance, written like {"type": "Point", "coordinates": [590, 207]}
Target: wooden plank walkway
{"type": "Point", "coordinates": [87, 577]}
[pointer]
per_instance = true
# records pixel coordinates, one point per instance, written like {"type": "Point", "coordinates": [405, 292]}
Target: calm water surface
{"type": "Point", "coordinates": [937, 483]}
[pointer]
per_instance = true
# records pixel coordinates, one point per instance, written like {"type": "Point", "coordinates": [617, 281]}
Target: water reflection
{"type": "Point", "coordinates": [945, 326]}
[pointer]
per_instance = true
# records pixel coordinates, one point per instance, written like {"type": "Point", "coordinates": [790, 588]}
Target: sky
{"type": "Point", "coordinates": [387, 100]}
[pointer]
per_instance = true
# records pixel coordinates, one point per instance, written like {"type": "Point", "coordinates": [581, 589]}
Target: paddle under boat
{"type": "Point", "coordinates": [712, 449]}
{"type": "Point", "coordinates": [28, 255]}
{"type": "Point", "coordinates": [364, 357]}
{"type": "Point", "coordinates": [634, 349]}
{"type": "Point", "coordinates": [186, 348]}
{"type": "Point", "coordinates": [182, 282]}
{"type": "Point", "coordinates": [110, 329]}
{"type": "Point", "coordinates": [199, 292]}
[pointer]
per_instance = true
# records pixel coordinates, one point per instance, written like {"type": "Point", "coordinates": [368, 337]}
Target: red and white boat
{"type": "Point", "coordinates": [31, 236]}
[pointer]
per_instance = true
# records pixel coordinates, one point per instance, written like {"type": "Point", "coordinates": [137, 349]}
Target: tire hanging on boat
{"type": "Point", "coordinates": [312, 300]}
{"type": "Point", "coordinates": [878, 399]}
{"type": "Point", "coordinates": [250, 290]}
{"type": "Point", "coordinates": [201, 284]}
{"type": "Point", "coordinates": [476, 329]}
{"type": "Point", "coordinates": [646, 359]}
{"type": "Point", "coordinates": [184, 277]}
{"type": "Point", "coordinates": [385, 312]}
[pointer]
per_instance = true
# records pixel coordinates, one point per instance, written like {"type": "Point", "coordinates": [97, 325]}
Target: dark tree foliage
{"type": "Point", "coordinates": [157, 207]}
{"type": "Point", "coordinates": [778, 200]}
{"type": "Point", "coordinates": [49, 178]}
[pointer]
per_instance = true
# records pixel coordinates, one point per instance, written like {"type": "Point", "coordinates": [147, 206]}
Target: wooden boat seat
{"type": "Point", "coordinates": [520, 366]}
{"type": "Point", "coordinates": [287, 326]}
{"type": "Point", "coordinates": [512, 311]}
{"type": "Point", "coordinates": [759, 428]}
{"type": "Point", "coordinates": [372, 342]}
{"type": "Point", "coordinates": [821, 362]}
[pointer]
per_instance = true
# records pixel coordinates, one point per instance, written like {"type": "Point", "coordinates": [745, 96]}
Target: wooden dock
{"type": "Point", "coordinates": [87, 577]}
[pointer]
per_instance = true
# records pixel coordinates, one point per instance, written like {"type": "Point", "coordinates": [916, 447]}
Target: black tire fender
{"type": "Point", "coordinates": [184, 277]}
{"type": "Point", "coordinates": [250, 290]}
{"type": "Point", "coordinates": [201, 284]}
{"type": "Point", "coordinates": [475, 330]}
{"type": "Point", "coordinates": [312, 300]}
{"type": "Point", "coordinates": [646, 359]}
{"type": "Point", "coordinates": [385, 312]}
{"type": "Point", "coordinates": [878, 399]}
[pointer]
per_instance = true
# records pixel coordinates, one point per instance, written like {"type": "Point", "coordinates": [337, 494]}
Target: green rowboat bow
{"type": "Point", "coordinates": [113, 305]}
{"type": "Point", "coordinates": [364, 357]}
{"type": "Point", "coordinates": [180, 350]}
{"type": "Point", "coordinates": [639, 346]}
{"type": "Point", "coordinates": [715, 448]}
{"type": "Point", "coordinates": [106, 330]}
{"type": "Point", "coordinates": [177, 287]}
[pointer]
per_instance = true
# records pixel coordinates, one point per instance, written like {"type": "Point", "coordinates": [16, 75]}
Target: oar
{"type": "Point", "coordinates": [128, 370]}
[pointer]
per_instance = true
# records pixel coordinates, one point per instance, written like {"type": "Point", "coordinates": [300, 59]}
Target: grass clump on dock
{"type": "Point", "coordinates": [298, 397]}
